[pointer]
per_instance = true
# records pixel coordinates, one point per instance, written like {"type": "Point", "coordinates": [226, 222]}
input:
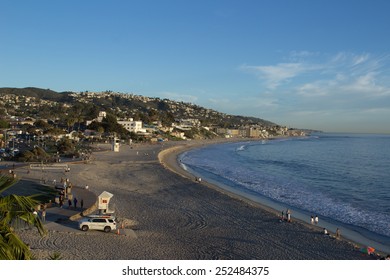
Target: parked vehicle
{"type": "Point", "coordinates": [105, 223]}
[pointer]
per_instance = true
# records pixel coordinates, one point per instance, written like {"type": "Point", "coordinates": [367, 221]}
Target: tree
{"type": "Point", "coordinates": [42, 124]}
{"type": "Point", "coordinates": [15, 209]}
{"type": "Point", "coordinates": [4, 124]}
{"type": "Point", "coordinates": [70, 121]}
{"type": "Point", "coordinates": [65, 146]}
{"type": "Point", "coordinates": [111, 125]}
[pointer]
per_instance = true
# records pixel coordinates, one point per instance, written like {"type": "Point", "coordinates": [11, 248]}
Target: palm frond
{"type": "Point", "coordinates": [15, 209]}
{"type": "Point", "coordinates": [6, 182]}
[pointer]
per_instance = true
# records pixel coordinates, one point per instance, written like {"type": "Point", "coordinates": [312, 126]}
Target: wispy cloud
{"type": "Point", "coordinates": [367, 84]}
{"type": "Point", "coordinates": [309, 87]}
{"type": "Point", "coordinates": [358, 59]}
{"type": "Point", "coordinates": [316, 75]}
{"type": "Point", "coordinates": [275, 75]}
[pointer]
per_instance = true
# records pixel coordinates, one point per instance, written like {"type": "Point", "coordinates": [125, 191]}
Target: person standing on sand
{"type": "Point", "coordinates": [288, 212]}
{"type": "Point", "coordinates": [43, 214]}
{"type": "Point", "coordinates": [75, 202]}
{"type": "Point", "coordinates": [338, 234]}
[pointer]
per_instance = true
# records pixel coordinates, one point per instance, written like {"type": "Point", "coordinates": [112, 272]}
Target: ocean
{"type": "Point", "coordinates": [342, 178]}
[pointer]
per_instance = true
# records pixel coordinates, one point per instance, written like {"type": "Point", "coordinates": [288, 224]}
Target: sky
{"type": "Point", "coordinates": [321, 64]}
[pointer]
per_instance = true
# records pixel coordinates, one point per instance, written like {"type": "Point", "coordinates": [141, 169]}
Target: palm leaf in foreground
{"type": "Point", "coordinates": [15, 210]}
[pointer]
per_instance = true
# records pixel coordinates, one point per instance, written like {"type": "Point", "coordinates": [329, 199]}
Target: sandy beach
{"type": "Point", "coordinates": [171, 216]}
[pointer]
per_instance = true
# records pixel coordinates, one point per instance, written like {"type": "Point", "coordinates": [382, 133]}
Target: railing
{"type": "Point", "coordinates": [49, 166]}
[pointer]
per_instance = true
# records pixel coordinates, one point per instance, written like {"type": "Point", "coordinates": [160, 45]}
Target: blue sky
{"type": "Point", "coordinates": [308, 64]}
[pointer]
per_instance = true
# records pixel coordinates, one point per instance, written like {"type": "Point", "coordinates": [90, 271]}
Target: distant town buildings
{"type": "Point", "coordinates": [190, 120]}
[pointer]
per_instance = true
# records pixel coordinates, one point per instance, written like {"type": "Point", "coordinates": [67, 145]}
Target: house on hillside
{"type": "Point", "coordinates": [132, 126]}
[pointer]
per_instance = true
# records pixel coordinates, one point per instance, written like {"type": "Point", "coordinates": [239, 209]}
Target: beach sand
{"type": "Point", "coordinates": [174, 217]}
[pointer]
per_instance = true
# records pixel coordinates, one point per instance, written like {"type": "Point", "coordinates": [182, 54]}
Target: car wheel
{"type": "Point", "coordinates": [107, 229]}
{"type": "Point", "coordinates": [84, 228]}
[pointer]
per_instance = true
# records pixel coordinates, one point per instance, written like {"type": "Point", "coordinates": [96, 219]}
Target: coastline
{"type": "Point", "coordinates": [170, 159]}
{"type": "Point", "coordinates": [175, 218]}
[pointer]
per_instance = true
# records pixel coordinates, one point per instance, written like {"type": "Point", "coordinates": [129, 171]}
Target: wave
{"type": "Point", "coordinates": [323, 191]}
{"type": "Point", "coordinates": [241, 148]}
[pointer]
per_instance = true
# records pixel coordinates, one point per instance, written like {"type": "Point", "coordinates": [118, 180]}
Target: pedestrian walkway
{"type": "Point", "coordinates": [65, 218]}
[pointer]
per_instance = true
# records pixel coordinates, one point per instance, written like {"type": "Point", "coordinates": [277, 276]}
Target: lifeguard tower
{"type": "Point", "coordinates": [103, 202]}
{"type": "Point", "coordinates": [115, 144]}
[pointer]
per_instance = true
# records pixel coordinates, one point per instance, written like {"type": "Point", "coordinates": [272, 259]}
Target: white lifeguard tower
{"type": "Point", "coordinates": [103, 202]}
{"type": "Point", "coordinates": [115, 144]}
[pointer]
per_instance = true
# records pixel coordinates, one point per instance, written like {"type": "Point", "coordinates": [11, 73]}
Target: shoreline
{"type": "Point", "coordinates": [172, 217]}
{"type": "Point", "coordinates": [170, 159]}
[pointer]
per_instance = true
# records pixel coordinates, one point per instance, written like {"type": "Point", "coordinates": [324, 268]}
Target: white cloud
{"type": "Point", "coordinates": [366, 84]}
{"type": "Point", "coordinates": [320, 75]}
{"type": "Point", "coordinates": [312, 89]}
{"type": "Point", "coordinates": [315, 89]}
{"type": "Point", "coordinates": [358, 59]}
{"type": "Point", "coordinates": [274, 75]}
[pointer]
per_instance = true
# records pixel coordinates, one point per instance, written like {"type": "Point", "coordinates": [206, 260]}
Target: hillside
{"type": "Point", "coordinates": [86, 105]}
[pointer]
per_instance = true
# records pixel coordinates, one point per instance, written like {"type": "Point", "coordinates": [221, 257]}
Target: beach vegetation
{"type": "Point", "coordinates": [55, 256]}
{"type": "Point", "coordinates": [16, 211]}
{"type": "Point", "coordinates": [36, 154]}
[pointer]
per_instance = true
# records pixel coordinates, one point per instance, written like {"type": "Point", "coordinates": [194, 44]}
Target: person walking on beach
{"type": "Point", "coordinates": [43, 214]}
{"type": "Point", "coordinates": [288, 212]}
{"type": "Point", "coordinates": [338, 234]}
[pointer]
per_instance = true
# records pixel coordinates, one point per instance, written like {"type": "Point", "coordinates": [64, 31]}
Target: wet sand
{"type": "Point", "coordinates": [174, 217]}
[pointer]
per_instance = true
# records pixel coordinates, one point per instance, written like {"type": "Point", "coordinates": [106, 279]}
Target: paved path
{"type": "Point", "coordinates": [65, 218]}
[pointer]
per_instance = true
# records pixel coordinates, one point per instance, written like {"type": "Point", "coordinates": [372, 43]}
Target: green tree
{"type": "Point", "coordinates": [65, 146]}
{"type": "Point", "coordinates": [42, 124]}
{"type": "Point", "coordinates": [111, 125]}
{"type": "Point", "coordinates": [4, 124]}
{"type": "Point", "coordinates": [70, 121]}
{"type": "Point", "coordinates": [15, 210]}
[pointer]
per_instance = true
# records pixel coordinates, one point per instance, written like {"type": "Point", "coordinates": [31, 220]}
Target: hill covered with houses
{"type": "Point", "coordinates": [43, 113]}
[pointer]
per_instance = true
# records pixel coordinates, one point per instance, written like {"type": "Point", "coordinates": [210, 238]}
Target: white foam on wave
{"type": "Point", "coordinates": [241, 148]}
{"type": "Point", "coordinates": [289, 191]}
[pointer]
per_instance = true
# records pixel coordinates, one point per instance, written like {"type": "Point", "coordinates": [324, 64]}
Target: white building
{"type": "Point", "coordinates": [101, 116]}
{"type": "Point", "coordinates": [131, 125]}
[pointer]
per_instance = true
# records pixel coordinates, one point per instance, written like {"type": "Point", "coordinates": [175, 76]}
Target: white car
{"type": "Point", "coordinates": [106, 223]}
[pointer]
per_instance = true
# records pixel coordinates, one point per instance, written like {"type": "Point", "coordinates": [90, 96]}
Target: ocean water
{"type": "Point", "coordinates": [342, 178]}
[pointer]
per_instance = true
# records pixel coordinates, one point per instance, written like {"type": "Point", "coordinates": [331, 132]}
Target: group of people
{"type": "Point", "coordinates": [66, 193]}
{"type": "Point", "coordinates": [337, 234]}
{"type": "Point", "coordinates": [75, 201]}
{"type": "Point", "coordinates": [314, 220]}
{"type": "Point", "coordinates": [42, 212]}
{"type": "Point", "coordinates": [287, 217]}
